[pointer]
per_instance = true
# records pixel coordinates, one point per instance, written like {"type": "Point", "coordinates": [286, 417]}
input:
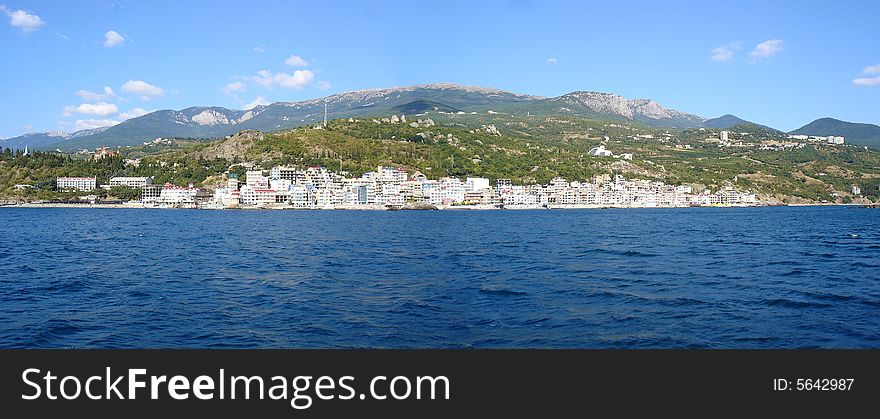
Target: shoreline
{"type": "Point", "coordinates": [449, 208]}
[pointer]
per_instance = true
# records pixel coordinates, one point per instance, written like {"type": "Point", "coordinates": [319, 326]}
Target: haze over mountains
{"type": "Point", "coordinates": [210, 122]}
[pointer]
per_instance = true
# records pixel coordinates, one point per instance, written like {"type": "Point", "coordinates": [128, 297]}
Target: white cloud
{"type": "Point", "coordinates": [296, 61]}
{"type": "Point", "coordinates": [113, 39]}
{"type": "Point", "coordinates": [552, 61]}
{"type": "Point", "coordinates": [232, 88]}
{"type": "Point", "coordinates": [324, 85]}
{"type": "Point", "coordinates": [89, 96]}
{"type": "Point", "coordinates": [297, 80]}
{"type": "Point", "coordinates": [99, 109]}
{"type": "Point", "coordinates": [867, 81]}
{"type": "Point", "coordinates": [95, 97]}
{"type": "Point", "coordinates": [23, 20]}
{"type": "Point", "coordinates": [259, 101]}
{"type": "Point", "coordinates": [133, 113]}
{"type": "Point", "coordinates": [82, 124]}
{"type": "Point", "coordinates": [767, 49]}
{"type": "Point", "coordinates": [874, 69]}
{"type": "Point", "coordinates": [724, 54]}
{"type": "Point", "coordinates": [146, 90]}
{"type": "Point", "coordinates": [261, 49]}
{"type": "Point", "coordinates": [264, 78]}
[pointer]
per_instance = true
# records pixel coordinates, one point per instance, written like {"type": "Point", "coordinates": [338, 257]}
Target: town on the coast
{"type": "Point", "coordinates": [392, 188]}
{"type": "Point", "coordinates": [261, 185]}
{"type": "Point", "coordinates": [417, 164]}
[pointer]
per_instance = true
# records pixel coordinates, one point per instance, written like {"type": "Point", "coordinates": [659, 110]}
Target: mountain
{"type": "Point", "coordinates": [420, 106]}
{"type": "Point", "coordinates": [854, 133]}
{"type": "Point", "coordinates": [214, 122]}
{"type": "Point", "coordinates": [210, 122]}
{"type": "Point", "coordinates": [195, 122]}
{"type": "Point", "coordinates": [46, 140]}
{"type": "Point", "coordinates": [85, 132]}
{"type": "Point", "coordinates": [653, 114]}
{"type": "Point", "coordinates": [595, 104]}
{"type": "Point", "coordinates": [727, 121]}
{"type": "Point", "coordinates": [724, 121]}
{"type": "Point", "coordinates": [33, 140]}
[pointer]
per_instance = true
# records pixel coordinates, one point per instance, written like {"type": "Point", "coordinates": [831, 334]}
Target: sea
{"type": "Point", "coordinates": [767, 277]}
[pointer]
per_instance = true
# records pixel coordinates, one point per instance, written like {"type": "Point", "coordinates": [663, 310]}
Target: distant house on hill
{"type": "Point", "coordinates": [600, 152]}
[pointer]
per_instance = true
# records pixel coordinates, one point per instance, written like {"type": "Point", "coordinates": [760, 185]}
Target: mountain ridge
{"type": "Point", "coordinates": [215, 121]}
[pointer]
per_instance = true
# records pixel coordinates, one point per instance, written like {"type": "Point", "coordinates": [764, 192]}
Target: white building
{"type": "Point", "coordinates": [390, 195]}
{"type": "Point", "coordinates": [131, 182]}
{"type": "Point", "coordinates": [292, 174]}
{"type": "Point", "coordinates": [255, 179]}
{"type": "Point", "coordinates": [557, 184]}
{"type": "Point", "coordinates": [725, 135]}
{"type": "Point", "coordinates": [476, 184]}
{"type": "Point", "coordinates": [831, 139]}
{"type": "Point", "coordinates": [600, 152]}
{"type": "Point", "coordinates": [445, 191]}
{"type": "Point", "coordinates": [520, 196]}
{"type": "Point", "coordinates": [390, 174]}
{"type": "Point", "coordinates": [326, 197]}
{"type": "Point", "coordinates": [232, 182]}
{"type": "Point", "coordinates": [412, 189]}
{"type": "Point", "coordinates": [151, 193]}
{"type": "Point", "coordinates": [76, 183]}
{"type": "Point", "coordinates": [300, 196]}
{"type": "Point", "coordinates": [177, 195]}
{"type": "Point", "coordinates": [226, 197]}
{"type": "Point", "coordinates": [359, 193]}
{"type": "Point", "coordinates": [389, 187]}
{"type": "Point", "coordinates": [250, 196]}
{"type": "Point", "coordinates": [280, 185]}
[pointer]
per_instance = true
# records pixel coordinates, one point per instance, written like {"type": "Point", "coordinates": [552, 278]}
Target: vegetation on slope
{"type": "Point", "coordinates": [527, 149]}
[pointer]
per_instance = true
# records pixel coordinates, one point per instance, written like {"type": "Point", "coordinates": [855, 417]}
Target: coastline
{"type": "Point", "coordinates": [443, 208]}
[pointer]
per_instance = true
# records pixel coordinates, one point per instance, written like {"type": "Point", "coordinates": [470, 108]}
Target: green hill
{"type": "Point", "coordinates": [419, 106]}
{"type": "Point", "coordinates": [526, 149]}
{"type": "Point", "coordinates": [854, 133]}
{"type": "Point", "coordinates": [729, 121]}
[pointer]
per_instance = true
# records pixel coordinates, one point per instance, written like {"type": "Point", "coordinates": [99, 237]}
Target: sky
{"type": "Point", "coordinates": [82, 64]}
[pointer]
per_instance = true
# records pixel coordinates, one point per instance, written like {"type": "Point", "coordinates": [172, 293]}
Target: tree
{"type": "Point", "coordinates": [125, 193]}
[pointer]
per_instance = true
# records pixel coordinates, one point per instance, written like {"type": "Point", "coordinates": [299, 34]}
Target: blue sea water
{"type": "Point", "coordinates": [784, 277]}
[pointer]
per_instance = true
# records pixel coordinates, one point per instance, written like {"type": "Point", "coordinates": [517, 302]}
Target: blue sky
{"type": "Point", "coordinates": [78, 64]}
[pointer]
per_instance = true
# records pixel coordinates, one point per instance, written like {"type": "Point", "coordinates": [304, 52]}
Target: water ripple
{"type": "Point", "coordinates": [683, 278]}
